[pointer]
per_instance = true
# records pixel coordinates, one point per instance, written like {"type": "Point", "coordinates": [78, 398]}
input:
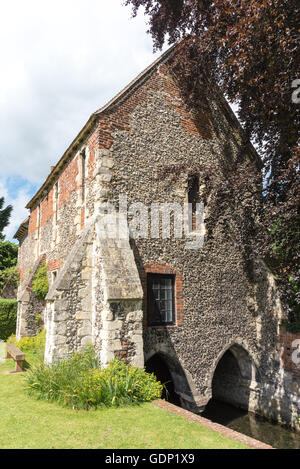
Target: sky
{"type": "Point", "coordinates": [60, 62]}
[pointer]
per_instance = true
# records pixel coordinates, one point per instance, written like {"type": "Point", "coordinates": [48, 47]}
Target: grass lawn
{"type": "Point", "coordinates": [28, 423]}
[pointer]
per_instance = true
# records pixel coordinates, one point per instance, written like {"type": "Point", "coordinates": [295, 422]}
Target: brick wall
{"type": "Point", "coordinates": [119, 118]}
{"type": "Point", "coordinates": [195, 123]}
{"type": "Point", "coordinates": [54, 235]}
{"type": "Point", "coordinates": [54, 265]}
{"type": "Point", "coordinates": [33, 221]}
{"type": "Point", "coordinates": [47, 208]}
{"type": "Point", "coordinates": [289, 351]}
{"type": "Point", "coordinates": [68, 181]}
{"type": "Point", "coordinates": [198, 124]}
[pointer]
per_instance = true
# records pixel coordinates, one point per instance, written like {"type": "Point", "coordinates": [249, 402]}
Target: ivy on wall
{"type": "Point", "coordinates": [40, 283]}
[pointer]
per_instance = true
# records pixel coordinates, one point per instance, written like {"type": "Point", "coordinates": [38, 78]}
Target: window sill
{"type": "Point", "coordinates": [162, 326]}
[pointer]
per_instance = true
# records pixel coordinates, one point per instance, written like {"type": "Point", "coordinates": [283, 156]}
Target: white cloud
{"type": "Point", "coordinates": [61, 61]}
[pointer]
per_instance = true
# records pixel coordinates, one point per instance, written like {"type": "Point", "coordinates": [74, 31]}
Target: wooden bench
{"type": "Point", "coordinates": [13, 352]}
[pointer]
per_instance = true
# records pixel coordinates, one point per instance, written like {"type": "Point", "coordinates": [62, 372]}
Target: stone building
{"type": "Point", "coordinates": [202, 312]}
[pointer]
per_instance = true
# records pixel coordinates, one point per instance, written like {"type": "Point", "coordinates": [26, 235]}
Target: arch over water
{"type": "Point", "coordinates": [233, 375]}
{"type": "Point", "coordinates": [167, 368]}
{"type": "Point", "coordinates": [158, 365]}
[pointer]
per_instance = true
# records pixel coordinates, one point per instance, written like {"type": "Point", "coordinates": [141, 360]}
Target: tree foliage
{"type": "Point", "coordinates": [249, 49]}
{"type": "Point", "coordinates": [5, 214]}
{"type": "Point", "coordinates": [9, 275]}
{"type": "Point", "coordinates": [8, 254]}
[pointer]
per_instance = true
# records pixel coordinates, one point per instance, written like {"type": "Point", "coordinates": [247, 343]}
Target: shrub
{"type": "Point", "coordinates": [79, 384]}
{"type": "Point", "coordinates": [9, 278]}
{"type": "Point", "coordinates": [40, 283]}
{"type": "Point", "coordinates": [8, 254]}
{"type": "Point", "coordinates": [293, 327]}
{"type": "Point", "coordinates": [8, 317]}
{"type": "Point", "coordinates": [35, 345]}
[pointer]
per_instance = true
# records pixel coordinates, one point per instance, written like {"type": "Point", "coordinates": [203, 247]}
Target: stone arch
{"type": "Point", "coordinates": [246, 360]}
{"type": "Point", "coordinates": [184, 386]}
{"type": "Point", "coordinates": [159, 364]}
{"type": "Point", "coordinates": [233, 375]}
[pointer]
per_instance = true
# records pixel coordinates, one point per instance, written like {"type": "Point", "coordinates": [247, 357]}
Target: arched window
{"type": "Point", "coordinates": [193, 198]}
{"type": "Point", "coordinates": [83, 160]}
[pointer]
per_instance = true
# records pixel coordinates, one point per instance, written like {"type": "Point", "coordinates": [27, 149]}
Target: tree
{"type": "Point", "coordinates": [9, 275]}
{"type": "Point", "coordinates": [5, 214]}
{"type": "Point", "coordinates": [249, 49]}
{"type": "Point", "coordinates": [8, 255]}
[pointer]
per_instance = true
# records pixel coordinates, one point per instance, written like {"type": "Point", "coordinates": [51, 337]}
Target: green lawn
{"type": "Point", "coordinates": [27, 423]}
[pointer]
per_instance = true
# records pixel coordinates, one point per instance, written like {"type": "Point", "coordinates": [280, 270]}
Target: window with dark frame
{"type": "Point", "coordinates": [160, 299]}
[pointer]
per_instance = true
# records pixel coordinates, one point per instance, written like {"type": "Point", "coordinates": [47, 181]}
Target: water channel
{"type": "Point", "coordinates": [249, 424]}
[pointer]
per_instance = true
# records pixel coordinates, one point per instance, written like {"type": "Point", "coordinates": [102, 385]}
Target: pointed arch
{"type": "Point", "coordinates": [245, 360]}
{"type": "Point", "coordinates": [184, 385]}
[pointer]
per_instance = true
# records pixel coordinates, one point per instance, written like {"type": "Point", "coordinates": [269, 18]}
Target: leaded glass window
{"type": "Point", "coordinates": [160, 296]}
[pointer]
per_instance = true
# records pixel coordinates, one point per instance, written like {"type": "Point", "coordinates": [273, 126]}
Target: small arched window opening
{"type": "Point", "coordinates": [56, 197]}
{"type": "Point", "coordinates": [54, 275]}
{"type": "Point", "coordinates": [193, 199]}
{"type": "Point", "coordinates": [83, 162]}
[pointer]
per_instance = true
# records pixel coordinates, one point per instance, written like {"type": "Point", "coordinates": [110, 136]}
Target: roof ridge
{"type": "Point", "coordinates": [137, 79]}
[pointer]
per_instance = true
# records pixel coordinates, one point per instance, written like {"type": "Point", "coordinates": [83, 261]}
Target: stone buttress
{"type": "Point", "coordinates": [96, 298]}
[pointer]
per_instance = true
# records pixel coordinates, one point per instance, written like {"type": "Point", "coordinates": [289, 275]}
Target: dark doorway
{"type": "Point", "coordinates": [159, 367]}
{"type": "Point", "coordinates": [228, 384]}
{"type": "Point", "coordinates": [230, 391]}
{"type": "Point", "coordinates": [227, 375]}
